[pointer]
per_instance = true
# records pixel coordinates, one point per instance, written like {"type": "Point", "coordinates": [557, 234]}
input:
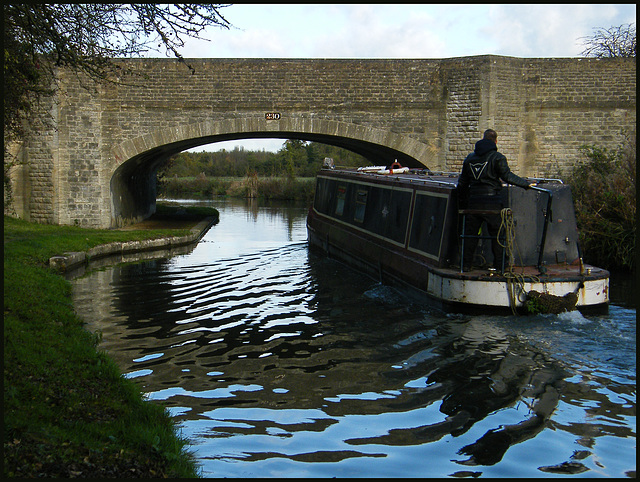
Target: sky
{"type": "Point", "coordinates": [411, 31]}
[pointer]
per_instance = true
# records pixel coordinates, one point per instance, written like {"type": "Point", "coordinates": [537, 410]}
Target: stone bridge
{"type": "Point", "coordinates": [96, 167]}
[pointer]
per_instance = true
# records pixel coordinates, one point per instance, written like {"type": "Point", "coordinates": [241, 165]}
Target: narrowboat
{"type": "Point", "coordinates": [403, 227]}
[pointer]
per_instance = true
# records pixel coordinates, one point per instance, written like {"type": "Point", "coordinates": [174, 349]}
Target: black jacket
{"type": "Point", "coordinates": [483, 172]}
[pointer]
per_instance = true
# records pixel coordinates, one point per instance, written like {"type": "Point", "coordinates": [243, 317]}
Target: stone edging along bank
{"type": "Point", "coordinates": [72, 260]}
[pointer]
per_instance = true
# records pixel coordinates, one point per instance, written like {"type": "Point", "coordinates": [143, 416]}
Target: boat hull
{"type": "Point", "coordinates": [493, 291]}
{"type": "Point", "coordinates": [475, 291]}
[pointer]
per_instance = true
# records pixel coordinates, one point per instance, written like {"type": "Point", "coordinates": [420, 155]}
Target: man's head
{"type": "Point", "coordinates": [491, 135]}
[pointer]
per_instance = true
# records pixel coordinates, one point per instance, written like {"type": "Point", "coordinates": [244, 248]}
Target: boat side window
{"type": "Point", "coordinates": [342, 194]}
{"type": "Point", "coordinates": [323, 195]}
{"type": "Point", "coordinates": [361, 205]}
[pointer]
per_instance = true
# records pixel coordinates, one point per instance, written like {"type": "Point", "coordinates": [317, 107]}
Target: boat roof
{"type": "Point", "coordinates": [412, 176]}
{"type": "Point", "coordinates": [380, 173]}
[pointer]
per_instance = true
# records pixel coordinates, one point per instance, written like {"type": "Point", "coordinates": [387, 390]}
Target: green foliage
{"type": "Point", "coordinates": [295, 159]}
{"type": "Point", "coordinates": [67, 409]}
{"type": "Point", "coordinates": [282, 188]}
{"type": "Point", "coordinates": [532, 306]}
{"type": "Point", "coordinates": [163, 209]}
{"type": "Point", "coordinates": [604, 193]}
{"type": "Point", "coordinates": [287, 174]}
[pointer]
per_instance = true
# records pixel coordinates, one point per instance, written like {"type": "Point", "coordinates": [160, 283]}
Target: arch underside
{"type": "Point", "coordinates": [133, 187]}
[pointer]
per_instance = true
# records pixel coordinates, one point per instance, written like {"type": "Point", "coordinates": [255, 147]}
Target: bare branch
{"type": "Point", "coordinates": [617, 41]}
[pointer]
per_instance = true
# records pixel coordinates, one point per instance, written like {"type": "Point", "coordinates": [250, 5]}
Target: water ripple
{"type": "Point", "coordinates": [279, 362]}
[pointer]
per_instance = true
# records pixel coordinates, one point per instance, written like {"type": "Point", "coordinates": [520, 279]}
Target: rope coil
{"type": "Point", "coordinates": [515, 281]}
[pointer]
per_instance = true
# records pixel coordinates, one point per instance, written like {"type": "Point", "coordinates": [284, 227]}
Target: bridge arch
{"type": "Point", "coordinates": [132, 167]}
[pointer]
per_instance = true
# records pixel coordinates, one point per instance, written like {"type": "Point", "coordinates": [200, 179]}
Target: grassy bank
{"type": "Point", "coordinates": [67, 409]}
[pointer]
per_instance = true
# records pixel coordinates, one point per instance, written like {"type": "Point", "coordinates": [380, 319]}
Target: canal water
{"type": "Point", "coordinates": [279, 362]}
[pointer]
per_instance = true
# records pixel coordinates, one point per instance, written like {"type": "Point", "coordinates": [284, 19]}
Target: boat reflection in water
{"type": "Point", "coordinates": [278, 361]}
{"type": "Point", "coordinates": [491, 374]}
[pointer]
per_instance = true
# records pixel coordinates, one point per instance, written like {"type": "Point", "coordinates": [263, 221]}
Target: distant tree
{"type": "Point", "coordinates": [342, 157]}
{"type": "Point", "coordinates": [617, 41]}
{"type": "Point", "coordinates": [292, 156]}
{"type": "Point", "coordinates": [296, 158]}
{"type": "Point", "coordinates": [313, 161]}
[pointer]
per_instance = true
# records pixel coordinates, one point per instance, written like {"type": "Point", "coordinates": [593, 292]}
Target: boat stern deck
{"type": "Point", "coordinates": [487, 288]}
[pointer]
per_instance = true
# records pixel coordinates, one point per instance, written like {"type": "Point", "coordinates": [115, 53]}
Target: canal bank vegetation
{"type": "Point", "coordinates": [288, 174]}
{"type": "Point", "coordinates": [250, 186]}
{"type": "Point", "coordinates": [604, 194]}
{"type": "Point", "coordinates": [185, 213]}
{"type": "Point", "coordinates": [68, 411]}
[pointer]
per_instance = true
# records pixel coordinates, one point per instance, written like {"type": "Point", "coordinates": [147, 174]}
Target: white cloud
{"type": "Point", "coordinates": [548, 30]}
{"type": "Point", "coordinates": [382, 32]}
{"type": "Point", "coordinates": [406, 30]}
{"type": "Point", "coordinates": [329, 31]}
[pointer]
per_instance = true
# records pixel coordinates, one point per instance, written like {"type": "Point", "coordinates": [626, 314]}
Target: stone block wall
{"type": "Point", "coordinates": [36, 193]}
{"type": "Point", "coordinates": [464, 90]}
{"type": "Point", "coordinates": [80, 153]}
{"type": "Point", "coordinates": [574, 102]}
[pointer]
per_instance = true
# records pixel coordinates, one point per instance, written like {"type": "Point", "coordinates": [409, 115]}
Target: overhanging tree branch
{"type": "Point", "coordinates": [86, 38]}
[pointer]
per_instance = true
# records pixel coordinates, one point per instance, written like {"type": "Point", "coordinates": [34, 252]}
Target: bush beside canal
{"type": "Point", "coordinates": [604, 194]}
{"type": "Point", "coordinates": [68, 412]}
